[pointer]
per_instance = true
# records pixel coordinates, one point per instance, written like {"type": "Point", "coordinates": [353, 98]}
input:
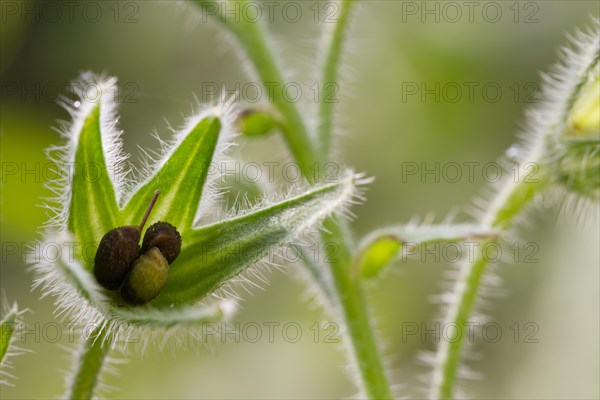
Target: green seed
{"type": "Point", "coordinates": [147, 278]}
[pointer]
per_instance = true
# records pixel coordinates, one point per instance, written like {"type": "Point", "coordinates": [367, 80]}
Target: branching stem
{"type": "Point", "coordinates": [348, 289]}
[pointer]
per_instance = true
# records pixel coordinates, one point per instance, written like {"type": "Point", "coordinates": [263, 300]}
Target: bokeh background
{"type": "Point", "coordinates": [164, 54]}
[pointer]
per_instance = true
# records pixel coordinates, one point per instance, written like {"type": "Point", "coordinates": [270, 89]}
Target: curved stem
{"type": "Point", "coordinates": [449, 352]}
{"type": "Point", "coordinates": [329, 80]}
{"type": "Point", "coordinates": [512, 199]}
{"type": "Point", "coordinates": [254, 43]}
{"type": "Point", "coordinates": [91, 359]}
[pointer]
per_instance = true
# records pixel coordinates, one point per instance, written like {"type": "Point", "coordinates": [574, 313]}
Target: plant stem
{"type": "Point", "coordinates": [348, 289]}
{"type": "Point", "coordinates": [350, 294]}
{"type": "Point", "coordinates": [254, 42]}
{"type": "Point", "coordinates": [514, 196]}
{"type": "Point", "coordinates": [91, 359]}
{"type": "Point", "coordinates": [450, 351]}
{"type": "Point", "coordinates": [512, 199]}
{"type": "Point", "coordinates": [353, 303]}
{"type": "Point", "coordinates": [334, 44]}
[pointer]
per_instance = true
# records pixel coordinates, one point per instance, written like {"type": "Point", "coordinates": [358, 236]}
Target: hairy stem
{"type": "Point", "coordinates": [351, 298]}
{"type": "Point", "coordinates": [334, 45]}
{"type": "Point", "coordinates": [536, 172]}
{"type": "Point", "coordinates": [512, 199]}
{"type": "Point", "coordinates": [90, 361]}
{"type": "Point", "coordinates": [348, 289]}
{"type": "Point", "coordinates": [449, 352]}
{"type": "Point", "coordinates": [254, 42]}
{"type": "Point", "coordinates": [352, 301]}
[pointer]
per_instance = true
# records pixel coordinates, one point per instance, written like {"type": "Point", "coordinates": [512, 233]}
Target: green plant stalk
{"type": "Point", "coordinates": [335, 42]}
{"type": "Point", "coordinates": [348, 287]}
{"type": "Point", "coordinates": [293, 129]}
{"type": "Point", "coordinates": [253, 41]}
{"type": "Point", "coordinates": [349, 291]}
{"type": "Point", "coordinates": [353, 303]}
{"type": "Point", "coordinates": [511, 201]}
{"type": "Point", "coordinates": [91, 360]}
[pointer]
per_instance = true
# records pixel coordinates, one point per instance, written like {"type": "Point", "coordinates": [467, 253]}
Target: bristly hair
{"type": "Point", "coordinates": [12, 316]}
{"type": "Point", "coordinates": [539, 145]}
{"type": "Point", "coordinates": [89, 90]}
{"type": "Point", "coordinates": [76, 294]}
{"type": "Point", "coordinates": [546, 121]}
{"type": "Point", "coordinates": [223, 108]}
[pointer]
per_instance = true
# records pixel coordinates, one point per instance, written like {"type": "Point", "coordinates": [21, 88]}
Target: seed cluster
{"type": "Point", "coordinates": [140, 272]}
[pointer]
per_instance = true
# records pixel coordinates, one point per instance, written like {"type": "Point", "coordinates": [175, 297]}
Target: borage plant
{"type": "Point", "coordinates": [99, 204]}
{"type": "Point", "coordinates": [562, 143]}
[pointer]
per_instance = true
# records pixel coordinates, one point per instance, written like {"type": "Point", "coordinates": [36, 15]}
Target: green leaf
{"type": "Point", "coordinates": [380, 248]}
{"type": "Point", "coordinates": [180, 317]}
{"type": "Point", "coordinates": [12, 318]}
{"type": "Point", "coordinates": [93, 208]}
{"type": "Point", "coordinates": [214, 254]}
{"type": "Point", "coordinates": [180, 178]}
{"type": "Point", "coordinates": [7, 329]}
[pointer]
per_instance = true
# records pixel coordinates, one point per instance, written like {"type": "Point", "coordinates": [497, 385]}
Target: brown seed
{"type": "Point", "coordinates": [147, 278]}
{"type": "Point", "coordinates": [165, 237]}
{"type": "Point", "coordinates": [117, 251]}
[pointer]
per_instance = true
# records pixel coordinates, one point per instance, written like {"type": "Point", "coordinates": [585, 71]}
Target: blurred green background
{"type": "Point", "coordinates": [163, 54]}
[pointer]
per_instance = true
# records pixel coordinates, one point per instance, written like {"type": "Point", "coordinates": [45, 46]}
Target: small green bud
{"type": "Point", "coordinates": [378, 255]}
{"type": "Point", "coordinates": [256, 123]}
{"type": "Point", "coordinates": [147, 278]}
{"type": "Point", "coordinates": [584, 118]}
{"type": "Point", "coordinates": [578, 161]}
